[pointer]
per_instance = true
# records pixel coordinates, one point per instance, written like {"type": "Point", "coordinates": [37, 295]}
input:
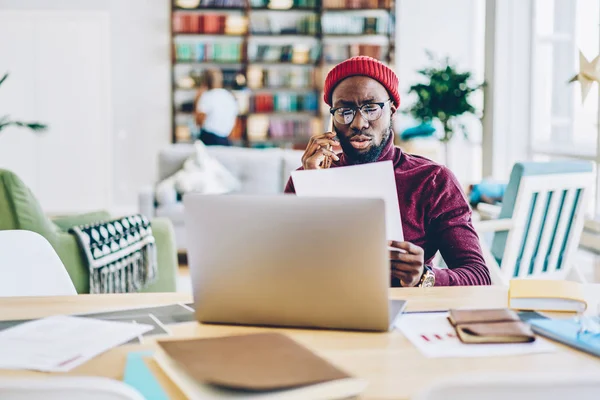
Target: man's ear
{"type": "Point", "coordinates": [393, 109]}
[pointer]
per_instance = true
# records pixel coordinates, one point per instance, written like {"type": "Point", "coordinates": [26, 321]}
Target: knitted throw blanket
{"type": "Point", "coordinates": [120, 253]}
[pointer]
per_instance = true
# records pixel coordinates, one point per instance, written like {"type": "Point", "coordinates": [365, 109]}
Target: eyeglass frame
{"type": "Point", "coordinates": [360, 109]}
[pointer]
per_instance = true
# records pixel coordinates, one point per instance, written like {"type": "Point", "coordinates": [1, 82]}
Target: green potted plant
{"type": "Point", "coordinates": [5, 121]}
{"type": "Point", "coordinates": [444, 96]}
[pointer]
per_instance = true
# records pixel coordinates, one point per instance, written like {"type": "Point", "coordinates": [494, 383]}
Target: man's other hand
{"type": "Point", "coordinates": [407, 262]}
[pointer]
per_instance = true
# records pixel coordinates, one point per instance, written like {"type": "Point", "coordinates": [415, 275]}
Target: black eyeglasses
{"type": "Point", "coordinates": [369, 111]}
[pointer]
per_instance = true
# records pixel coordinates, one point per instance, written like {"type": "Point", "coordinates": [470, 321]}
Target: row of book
{"type": "Point", "coordinates": [353, 25]}
{"type": "Point", "coordinates": [280, 77]}
{"type": "Point", "coordinates": [275, 4]}
{"type": "Point", "coordinates": [258, 129]}
{"type": "Point", "coordinates": [211, 52]}
{"type": "Point", "coordinates": [298, 54]}
{"type": "Point", "coordinates": [283, 102]}
{"type": "Point", "coordinates": [233, 78]}
{"type": "Point", "coordinates": [199, 4]}
{"type": "Point", "coordinates": [263, 128]}
{"type": "Point", "coordinates": [335, 53]}
{"type": "Point", "coordinates": [354, 4]}
{"type": "Point", "coordinates": [274, 24]}
{"type": "Point", "coordinates": [217, 24]}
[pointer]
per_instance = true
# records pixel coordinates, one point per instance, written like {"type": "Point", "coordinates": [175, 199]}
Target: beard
{"type": "Point", "coordinates": [372, 154]}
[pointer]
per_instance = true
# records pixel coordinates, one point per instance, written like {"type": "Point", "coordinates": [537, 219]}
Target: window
{"type": "Point", "coordinates": [561, 125]}
{"type": "Point", "coordinates": [560, 122]}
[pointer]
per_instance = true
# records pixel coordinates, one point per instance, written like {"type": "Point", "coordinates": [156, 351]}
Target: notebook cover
{"type": "Point", "coordinates": [255, 362]}
{"type": "Point", "coordinates": [470, 316]}
{"type": "Point", "coordinates": [566, 331]}
{"type": "Point", "coordinates": [139, 376]}
{"type": "Point", "coordinates": [496, 332]}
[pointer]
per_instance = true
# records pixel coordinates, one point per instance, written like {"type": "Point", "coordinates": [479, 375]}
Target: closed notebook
{"type": "Point", "coordinates": [490, 326]}
{"type": "Point", "coordinates": [264, 365]}
{"type": "Point", "coordinates": [546, 295]}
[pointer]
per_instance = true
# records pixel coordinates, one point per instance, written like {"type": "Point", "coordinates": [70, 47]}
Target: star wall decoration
{"type": "Point", "coordinates": [589, 72]}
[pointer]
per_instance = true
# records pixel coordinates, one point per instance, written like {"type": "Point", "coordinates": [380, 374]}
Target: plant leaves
{"type": "Point", "coordinates": [34, 126]}
{"type": "Point", "coordinates": [444, 96]}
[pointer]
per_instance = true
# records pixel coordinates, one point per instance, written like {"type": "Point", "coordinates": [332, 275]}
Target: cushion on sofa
{"type": "Point", "coordinates": [259, 170]}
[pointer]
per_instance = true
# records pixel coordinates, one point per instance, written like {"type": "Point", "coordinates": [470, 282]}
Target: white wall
{"type": "Point", "coordinates": [138, 115]}
{"type": "Point", "coordinates": [447, 28]}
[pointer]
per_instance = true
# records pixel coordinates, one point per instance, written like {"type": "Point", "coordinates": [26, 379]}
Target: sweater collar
{"type": "Point", "coordinates": [389, 152]}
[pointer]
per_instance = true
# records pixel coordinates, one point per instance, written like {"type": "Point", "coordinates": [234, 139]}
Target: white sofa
{"type": "Point", "coordinates": [261, 171]}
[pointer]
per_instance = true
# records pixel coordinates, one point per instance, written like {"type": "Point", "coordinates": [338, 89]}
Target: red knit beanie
{"type": "Point", "coordinates": [365, 66]}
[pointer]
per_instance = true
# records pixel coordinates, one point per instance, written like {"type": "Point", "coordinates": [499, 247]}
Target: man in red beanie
{"type": "Point", "coordinates": [363, 95]}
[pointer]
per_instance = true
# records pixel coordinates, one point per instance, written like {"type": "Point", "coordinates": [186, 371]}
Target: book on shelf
{"type": "Point", "coordinates": [283, 102]}
{"type": "Point", "coordinates": [335, 53]}
{"type": "Point", "coordinates": [290, 129]}
{"type": "Point", "coordinates": [263, 128]}
{"type": "Point", "coordinates": [284, 4]}
{"type": "Point", "coordinates": [296, 53]}
{"type": "Point", "coordinates": [269, 23]}
{"type": "Point", "coordinates": [183, 133]}
{"type": "Point", "coordinates": [210, 23]}
{"type": "Point", "coordinates": [276, 77]}
{"type": "Point", "coordinates": [199, 4]}
{"type": "Point", "coordinates": [343, 24]}
{"type": "Point", "coordinates": [357, 4]}
{"type": "Point", "coordinates": [208, 52]}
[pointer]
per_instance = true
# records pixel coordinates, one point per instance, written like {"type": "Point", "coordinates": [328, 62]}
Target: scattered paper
{"type": "Point", "coordinates": [435, 337]}
{"type": "Point", "coordinates": [61, 343]}
{"type": "Point", "coordinates": [372, 180]}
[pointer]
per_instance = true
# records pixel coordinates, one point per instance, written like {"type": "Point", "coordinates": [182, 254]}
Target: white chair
{"type": "Point", "coordinates": [29, 266]}
{"type": "Point", "coordinates": [513, 386]}
{"type": "Point", "coordinates": [66, 388]}
{"type": "Point", "coordinates": [540, 222]}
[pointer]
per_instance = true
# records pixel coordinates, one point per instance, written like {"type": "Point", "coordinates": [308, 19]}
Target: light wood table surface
{"type": "Point", "coordinates": [394, 368]}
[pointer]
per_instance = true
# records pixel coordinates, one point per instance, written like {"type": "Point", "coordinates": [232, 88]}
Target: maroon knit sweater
{"type": "Point", "coordinates": [435, 216]}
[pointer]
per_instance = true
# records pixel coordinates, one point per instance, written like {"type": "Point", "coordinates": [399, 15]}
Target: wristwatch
{"type": "Point", "coordinates": [428, 277]}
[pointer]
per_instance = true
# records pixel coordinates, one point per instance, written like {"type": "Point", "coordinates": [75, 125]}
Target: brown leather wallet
{"type": "Point", "coordinates": [500, 325]}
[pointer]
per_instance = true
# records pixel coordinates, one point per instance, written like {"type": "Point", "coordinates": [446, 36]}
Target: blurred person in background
{"type": "Point", "coordinates": [216, 109]}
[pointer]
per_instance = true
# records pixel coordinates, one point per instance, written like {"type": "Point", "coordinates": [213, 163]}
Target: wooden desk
{"type": "Point", "coordinates": [394, 368]}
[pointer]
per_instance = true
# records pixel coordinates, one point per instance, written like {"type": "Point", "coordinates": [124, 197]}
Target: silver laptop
{"type": "Point", "coordinates": [283, 260]}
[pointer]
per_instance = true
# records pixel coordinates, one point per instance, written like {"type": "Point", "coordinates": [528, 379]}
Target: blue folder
{"type": "Point", "coordinates": [566, 331]}
{"type": "Point", "coordinates": [141, 378]}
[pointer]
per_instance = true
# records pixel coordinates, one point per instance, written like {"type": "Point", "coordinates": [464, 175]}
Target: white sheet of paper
{"type": "Point", "coordinates": [60, 343]}
{"type": "Point", "coordinates": [434, 337]}
{"type": "Point", "coordinates": [372, 180]}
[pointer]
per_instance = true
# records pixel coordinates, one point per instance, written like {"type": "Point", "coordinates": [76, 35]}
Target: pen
{"type": "Point", "coordinates": [327, 161]}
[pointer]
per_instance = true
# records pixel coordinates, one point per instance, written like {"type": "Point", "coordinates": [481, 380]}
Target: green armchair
{"type": "Point", "coordinates": [19, 209]}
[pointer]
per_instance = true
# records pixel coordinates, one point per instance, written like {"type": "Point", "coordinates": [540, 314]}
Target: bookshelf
{"type": "Point", "coordinates": [274, 55]}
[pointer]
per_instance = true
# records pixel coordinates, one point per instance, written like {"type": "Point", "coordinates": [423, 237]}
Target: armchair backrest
{"type": "Point", "coordinates": [19, 209]}
{"type": "Point", "coordinates": [546, 202]}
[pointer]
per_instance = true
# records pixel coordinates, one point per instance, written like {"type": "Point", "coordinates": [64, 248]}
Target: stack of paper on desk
{"type": "Point", "coordinates": [255, 366]}
{"type": "Point", "coordinates": [373, 180]}
{"type": "Point", "coordinates": [435, 337]}
{"type": "Point", "coordinates": [60, 343]}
